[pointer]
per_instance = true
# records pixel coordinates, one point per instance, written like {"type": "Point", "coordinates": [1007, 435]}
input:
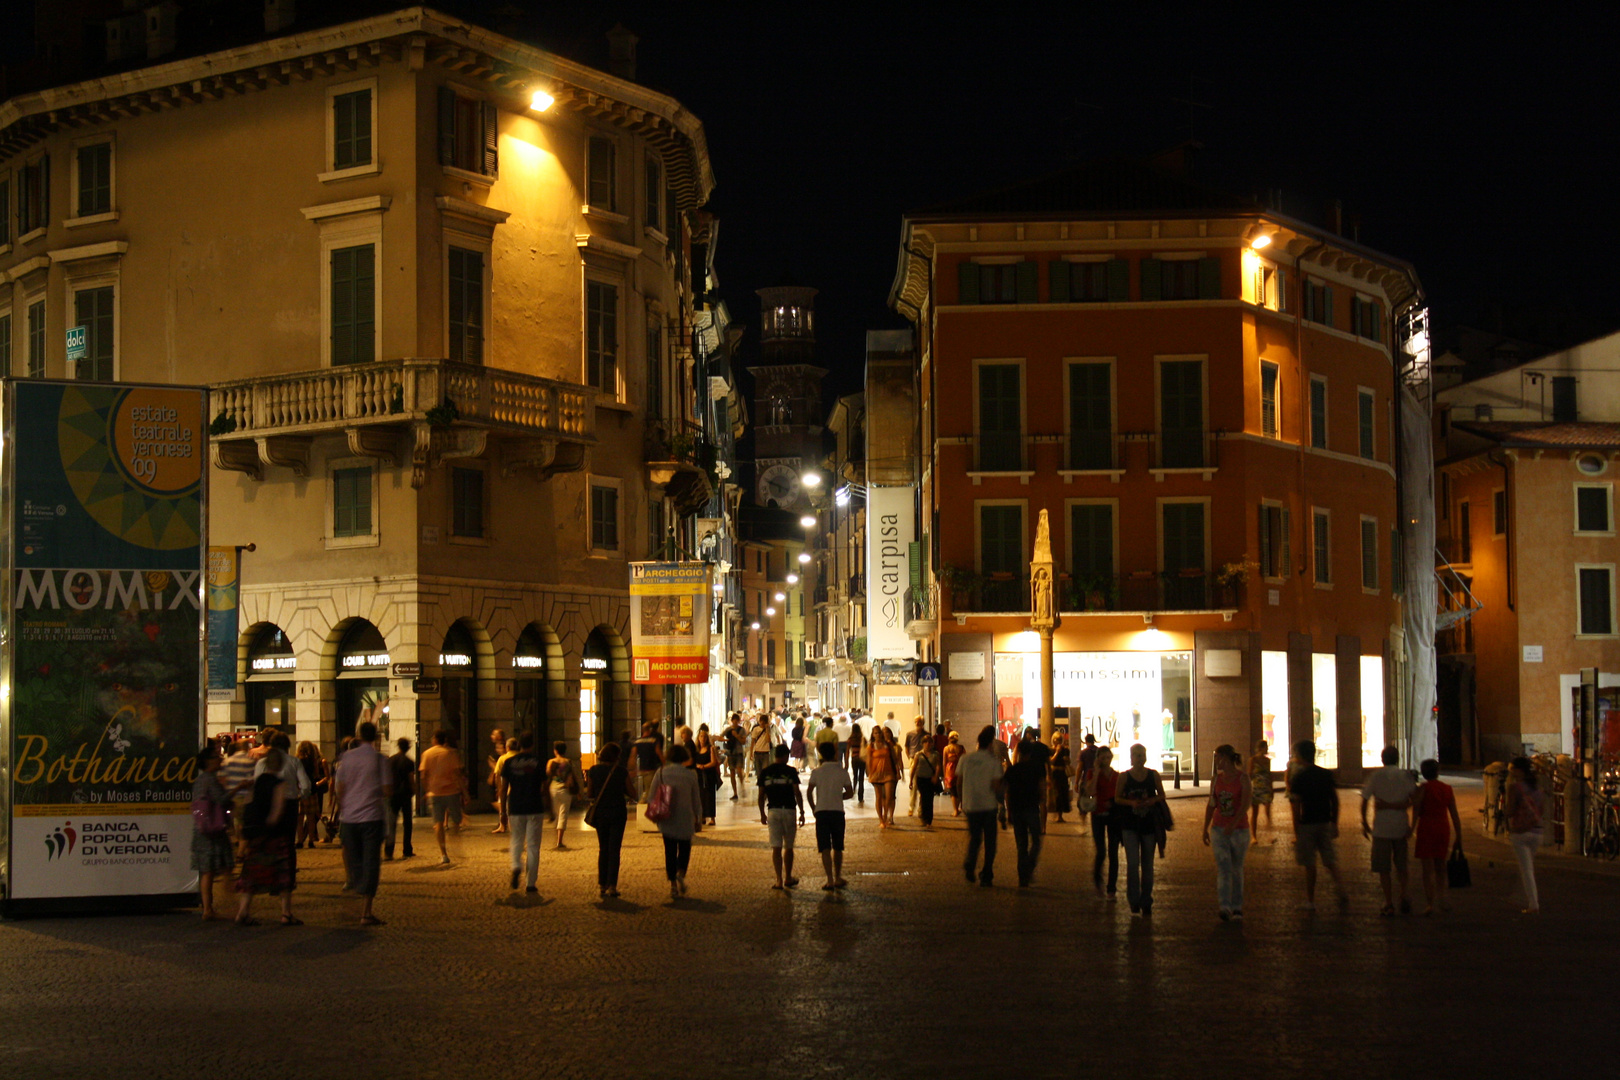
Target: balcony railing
{"type": "Point", "coordinates": [1184, 590]}
{"type": "Point", "coordinates": [857, 585]}
{"type": "Point", "coordinates": [395, 391]}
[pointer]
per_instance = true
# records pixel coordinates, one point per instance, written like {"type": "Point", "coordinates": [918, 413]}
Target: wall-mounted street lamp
{"type": "Point", "coordinates": [793, 579]}
{"type": "Point", "coordinates": [541, 101]}
{"type": "Point", "coordinates": [811, 479]}
{"type": "Point", "coordinates": [780, 597]}
{"type": "Point", "coordinates": [753, 626]}
{"type": "Point", "coordinates": [770, 611]}
{"type": "Point", "coordinates": [808, 521]}
{"type": "Point", "coordinates": [804, 558]}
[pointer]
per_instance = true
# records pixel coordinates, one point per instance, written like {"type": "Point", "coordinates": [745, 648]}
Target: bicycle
{"type": "Point", "coordinates": [1603, 820]}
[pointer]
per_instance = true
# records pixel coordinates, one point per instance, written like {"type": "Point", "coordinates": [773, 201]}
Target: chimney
{"type": "Point", "coordinates": [278, 15]}
{"type": "Point", "coordinates": [622, 52]}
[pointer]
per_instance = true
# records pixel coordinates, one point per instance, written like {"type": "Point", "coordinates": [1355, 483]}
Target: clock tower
{"type": "Point", "coordinates": [788, 433]}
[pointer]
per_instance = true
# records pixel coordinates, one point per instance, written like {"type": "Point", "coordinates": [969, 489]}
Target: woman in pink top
{"type": "Point", "coordinates": [1227, 817]}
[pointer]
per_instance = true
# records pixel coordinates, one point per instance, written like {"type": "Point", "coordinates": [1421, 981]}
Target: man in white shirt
{"type": "Point", "coordinates": [829, 786]}
{"type": "Point", "coordinates": [1390, 790]}
{"type": "Point", "coordinates": [980, 776]}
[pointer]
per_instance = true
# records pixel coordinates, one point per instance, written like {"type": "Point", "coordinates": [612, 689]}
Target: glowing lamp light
{"type": "Point", "coordinates": [780, 597]}
{"type": "Point", "coordinates": [808, 521]}
{"type": "Point", "coordinates": [811, 479]}
{"type": "Point", "coordinates": [793, 579]}
{"type": "Point", "coordinates": [541, 101]}
{"type": "Point", "coordinates": [841, 496]}
{"type": "Point", "coordinates": [770, 611]}
{"type": "Point", "coordinates": [804, 557]}
{"type": "Point", "coordinates": [1261, 241]}
{"type": "Point", "coordinates": [753, 626]}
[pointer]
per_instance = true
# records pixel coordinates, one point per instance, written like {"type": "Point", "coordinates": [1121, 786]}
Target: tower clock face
{"type": "Point", "coordinates": [779, 484]}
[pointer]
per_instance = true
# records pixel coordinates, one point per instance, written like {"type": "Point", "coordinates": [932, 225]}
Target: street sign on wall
{"type": "Point", "coordinates": [77, 343]}
{"type": "Point", "coordinates": [102, 709]}
{"type": "Point", "coordinates": [669, 622]}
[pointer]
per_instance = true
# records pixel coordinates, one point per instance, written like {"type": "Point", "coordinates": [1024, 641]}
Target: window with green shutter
{"type": "Point", "coordinates": [36, 340]}
{"type": "Point", "coordinates": [95, 179]}
{"type": "Point", "coordinates": [1592, 509]}
{"type": "Point", "coordinates": [1275, 555]}
{"type": "Point", "coordinates": [351, 129]}
{"type": "Point", "coordinates": [1091, 546]}
{"type": "Point", "coordinates": [354, 304]}
{"type": "Point", "coordinates": [1369, 554]}
{"type": "Point", "coordinates": [1001, 435]}
{"type": "Point", "coordinates": [1182, 537]}
{"type": "Point", "coordinates": [467, 502]}
{"type": "Point", "coordinates": [93, 310]}
{"type": "Point", "coordinates": [1079, 282]}
{"type": "Point", "coordinates": [1209, 278]}
{"type": "Point", "coordinates": [1319, 433]}
{"type": "Point", "coordinates": [602, 175]}
{"type": "Point", "coordinates": [468, 135]}
{"type": "Point", "coordinates": [1364, 421]}
{"type": "Point", "coordinates": [1321, 550]}
{"type": "Point", "coordinates": [1091, 415]}
{"type": "Point", "coordinates": [1317, 302]}
{"type": "Point", "coordinates": [466, 305]}
{"type": "Point", "coordinates": [602, 337]}
{"type": "Point", "coordinates": [998, 283]}
{"type": "Point", "coordinates": [351, 502]}
{"type": "Point", "coordinates": [1181, 414]}
{"type": "Point", "coordinates": [1001, 553]}
{"type": "Point", "coordinates": [1178, 279]}
{"type": "Point", "coordinates": [604, 517]}
{"type": "Point", "coordinates": [1269, 412]}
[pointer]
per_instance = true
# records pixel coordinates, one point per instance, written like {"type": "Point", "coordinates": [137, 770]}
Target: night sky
{"type": "Point", "coordinates": [1482, 149]}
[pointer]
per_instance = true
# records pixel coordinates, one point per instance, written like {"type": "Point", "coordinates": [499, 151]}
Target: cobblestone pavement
{"type": "Point", "coordinates": [910, 972]}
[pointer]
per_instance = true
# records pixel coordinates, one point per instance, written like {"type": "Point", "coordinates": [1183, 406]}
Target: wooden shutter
{"type": "Point", "coordinates": [44, 191]}
{"type": "Point", "coordinates": [1355, 315]}
{"type": "Point", "coordinates": [1119, 280]}
{"type": "Point", "coordinates": [1091, 541]}
{"type": "Point", "coordinates": [1001, 540]}
{"type": "Point", "coordinates": [491, 163]}
{"type": "Point", "coordinates": [1090, 417]}
{"type": "Point", "coordinates": [914, 561]}
{"type": "Point", "coordinates": [1266, 567]}
{"type": "Point", "coordinates": [1287, 559]}
{"type": "Point", "coordinates": [1209, 278]}
{"type": "Point", "coordinates": [1327, 305]}
{"type": "Point", "coordinates": [1028, 274]}
{"type": "Point", "coordinates": [1183, 536]}
{"type": "Point", "coordinates": [1181, 413]}
{"type": "Point", "coordinates": [1057, 281]}
{"type": "Point", "coordinates": [1000, 419]}
{"type": "Point", "coordinates": [447, 126]}
{"type": "Point", "coordinates": [1151, 279]}
{"type": "Point", "coordinates": [967, 282]}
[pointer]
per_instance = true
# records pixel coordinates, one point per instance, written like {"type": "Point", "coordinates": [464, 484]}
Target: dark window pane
{"type": "Point", "coordinates": [1364, 408]}
{"type": "Point", "coordinates": [467, 502]}
{"type": "Point", "coordinates": [353, 305]}
{"type": "Point", "coordinates": [1181, 410]}
{"type": "Point", "coordinates": [93, 310]}
{"type": "Point", "coordinates": [1183, 537]}
{"type": "Point", "coordinates": [466, 305]}
{"type": "Point", "coordinates": [1321, 554]}
{"type": "Point", "coordinates": [1319, 414]}
{"type": "Point", "coordinates": [1268, 401]}
{"type": "Point", "coordinates": [36, 340]}
{"type": "Point", "coordinates": [604, 518]}
{"type": "Point", "coordinates": [95, 179]}
{"type": "Point", "coordinates": [351, 502]}
{"type": "Point", "coordinates": [1369, 555]}
{"type": "Point", "coordinates": [602, 337]}
{"type": "Point", "coordinates": [1596, 618]}
{"type": "Point", "coordinates": [1592, 509]}
{"type": "Point", "coordinates": [351, 130]}
{"type": "Point", "coordinates": [1091, 541]}
{"type": "Point", "coordinates": [1001, 437]}
{"type": "Point", "coordinates": [1091, 421]}
{"type": "Point", "coordinates": [602, 171]}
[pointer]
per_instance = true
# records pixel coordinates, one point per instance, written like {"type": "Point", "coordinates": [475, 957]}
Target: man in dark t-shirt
{"type": "Point", "coordinates": [402, 800]}
{"type": "Point", "coordinates": [1025, 786]}
{"type": "Point", "coordinates": [649, 751]}
{"type": "Point", "coordinates": [522, 782]}
{"type": "Point", "coordinates": [1314, 802]}
{"type": "Point", "coordinates": [778, 794]}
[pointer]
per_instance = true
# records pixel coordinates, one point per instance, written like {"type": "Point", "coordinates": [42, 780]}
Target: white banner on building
{"type": "Point", "coordinates": [891, 526]}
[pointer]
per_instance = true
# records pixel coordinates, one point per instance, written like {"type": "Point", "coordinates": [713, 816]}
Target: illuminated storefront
{"type": "Point", "coordinates": [529, 688]}
{"type": "Point", "coordinates": [458, 692]}
{"type": "Point", "coordinates": [362, 679]}
{"type": "Point", "coordinates": [595, 692]}
{"type": "Point", "coordinates": [270, 686]}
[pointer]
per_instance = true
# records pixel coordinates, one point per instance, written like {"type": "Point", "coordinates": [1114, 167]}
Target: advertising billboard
{"type": "Point", "coordinates": [669, 622]}
{"type": "Point", "coordinates": [103, 662]}
{"type": "Point", "coordinates": [891, 526]}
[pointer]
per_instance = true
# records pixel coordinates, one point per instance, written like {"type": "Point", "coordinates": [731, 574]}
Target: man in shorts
{"type": "Point", "coordinates": [649, 757]}
{"type": "Point", "coordinates": [444, 780]}
{"type": "Point", "coordinates": [778, 795]}
{"type": "Point", "coordinates": [1315, 805]}
{"type": "Point", "coordinates": [829, 787]}
{"type": "Point", "coordinates": [734, 738]}
{"type": "Point", "coordinates": [759, 745]}
{"type": "Point", "coordinates": [1390, 789]}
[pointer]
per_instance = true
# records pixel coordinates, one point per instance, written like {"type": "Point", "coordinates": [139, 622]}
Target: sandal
{"type": "Point", "coordinates": [247, 920]}
{"type": "Point", "coordinates": [291, 920]}
{"type": "Point", "coordinates": [371, 920]}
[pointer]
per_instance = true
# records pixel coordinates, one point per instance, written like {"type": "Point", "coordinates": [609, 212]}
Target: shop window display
{"type": "Point", "coordinates": [1274, 704]}
{"type": "Point", "coordinates": [1324, 709]}
{"type": "Point", "coordinates": [1372, 711]}
{"type": "Point", "coordinates": [1120, 697]}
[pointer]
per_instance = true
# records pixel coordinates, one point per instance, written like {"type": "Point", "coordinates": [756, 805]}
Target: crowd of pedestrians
{"type": "Point", "coordinates": [257, 803]}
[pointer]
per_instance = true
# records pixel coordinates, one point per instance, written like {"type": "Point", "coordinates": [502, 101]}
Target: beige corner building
{"type": "Point", "coordinates": [441, 285]}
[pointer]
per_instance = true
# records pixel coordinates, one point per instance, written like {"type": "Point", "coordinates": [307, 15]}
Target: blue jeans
{"type": "Point", "coordinates": [362, 854]}
{"type": "Point", "coordinates": [1140, 848]}
{"type": "Point", "coordinates": [1105, 835]}
{"type": "Point", "coordinates": [981, 830]}
{"type": "Point", "coordinates": [526, 830]}
{"type": "Point", "coordinates": [1230, 846]}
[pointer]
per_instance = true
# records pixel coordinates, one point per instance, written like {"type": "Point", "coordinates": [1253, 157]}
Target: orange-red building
{"type": "Point", "coordinates": [1200, 394]}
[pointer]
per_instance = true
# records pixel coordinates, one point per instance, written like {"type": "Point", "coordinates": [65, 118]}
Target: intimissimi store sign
{"type": "Point", "coordinates": [1120, 697]}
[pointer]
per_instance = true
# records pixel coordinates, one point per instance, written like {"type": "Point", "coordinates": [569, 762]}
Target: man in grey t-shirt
{"type": "Point", "coordinates": [1390, 790]}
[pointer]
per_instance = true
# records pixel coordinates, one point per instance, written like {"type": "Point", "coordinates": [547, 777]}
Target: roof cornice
{"type": "Point", "coordinates": [419, 33]}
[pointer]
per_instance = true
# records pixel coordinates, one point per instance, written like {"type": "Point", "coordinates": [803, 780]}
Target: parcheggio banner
{"type": "Point", "coordinates": [669, 622]}
{"type": "Point", "coordinates": [104, 717]}
{"type": "Point", "coordinates": [891, 526]}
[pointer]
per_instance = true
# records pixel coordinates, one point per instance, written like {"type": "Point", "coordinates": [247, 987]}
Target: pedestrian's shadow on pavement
{"type": "Point", "coordinates": [430, 868]}
{"type": "Point", "coordinates": [523, 901]}
{"type": "Point", "coordinates": [619, 906]}
{"type": "Point", "coordinates": [697, 907]}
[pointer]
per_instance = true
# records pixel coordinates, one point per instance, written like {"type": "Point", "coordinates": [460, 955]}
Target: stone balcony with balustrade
{"type": "Point", "coordinates": [417, 411]}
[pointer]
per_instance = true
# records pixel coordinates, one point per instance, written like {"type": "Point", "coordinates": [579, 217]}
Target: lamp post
{"type": "Point", "coordinates": [1044, 619]}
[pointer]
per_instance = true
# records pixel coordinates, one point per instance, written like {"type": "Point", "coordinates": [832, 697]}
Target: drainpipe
{"type": "Point", "coordinates": [1499, 459]}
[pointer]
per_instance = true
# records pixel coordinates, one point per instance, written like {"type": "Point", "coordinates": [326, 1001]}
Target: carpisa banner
{"type": "Point", "coordinates": [105, 489]}
{"type": "Point", "coordinates": [891, 526]}
{"type": "Point", "coordinates": [670, 605]}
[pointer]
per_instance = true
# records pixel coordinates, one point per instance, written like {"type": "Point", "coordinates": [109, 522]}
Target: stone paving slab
{"type": "Point", "coordinates": [911, 972]}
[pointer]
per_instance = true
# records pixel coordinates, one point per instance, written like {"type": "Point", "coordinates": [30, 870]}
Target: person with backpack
{"type": "Point", "coordinates": [210, 827]}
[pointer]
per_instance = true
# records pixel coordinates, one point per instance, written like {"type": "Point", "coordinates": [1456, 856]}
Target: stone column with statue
{"type": "Point", "coordinates": [1044, 618]}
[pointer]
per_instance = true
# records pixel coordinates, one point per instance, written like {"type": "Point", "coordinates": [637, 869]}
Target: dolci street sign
{"type": "Point", "coordinates": [76, 348]}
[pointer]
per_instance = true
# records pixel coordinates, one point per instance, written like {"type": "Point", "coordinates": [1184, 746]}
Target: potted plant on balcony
{"type": "Point", "coordinates": [960, 582]}
{"type": "Point", "coordinates": [1095, 592]}
{"type": "Point", "coordinates": [1231, 578]}
{"type": "Point", "coordinates": [443, 414]}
